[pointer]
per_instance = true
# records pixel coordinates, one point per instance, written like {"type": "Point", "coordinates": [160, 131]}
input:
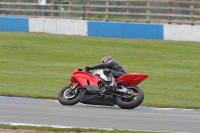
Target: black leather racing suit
{"type": "Point", "coordinates": [111, 67]}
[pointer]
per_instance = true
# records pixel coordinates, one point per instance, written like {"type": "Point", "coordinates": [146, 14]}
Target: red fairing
{"type": "Point", "coordinates": [84, 78]}
{"type": "Point", "coordinates": [132, 79]}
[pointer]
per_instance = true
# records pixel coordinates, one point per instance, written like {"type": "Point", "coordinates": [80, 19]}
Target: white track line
{"type": "Point", "coordinates": [59, 126]}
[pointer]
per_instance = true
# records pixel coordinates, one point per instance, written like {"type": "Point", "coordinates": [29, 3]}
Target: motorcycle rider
{"type": "Point", "coordinates": [111, 69]}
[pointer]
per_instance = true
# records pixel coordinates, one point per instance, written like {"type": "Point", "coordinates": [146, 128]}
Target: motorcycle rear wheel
{"type": "Point", "coordinates": [69, 97]}
{"type": "Point", "coordinates": [131, 102]}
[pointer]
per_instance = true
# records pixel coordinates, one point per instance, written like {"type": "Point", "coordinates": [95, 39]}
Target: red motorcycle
{"type": "Point", "coordinates": [86, 87]}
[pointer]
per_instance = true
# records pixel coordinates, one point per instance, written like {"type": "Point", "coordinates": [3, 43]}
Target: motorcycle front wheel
{"type": "Point", "coordinates": [130, 102]}
{"type": "Point", "coordinates": [69, 96]}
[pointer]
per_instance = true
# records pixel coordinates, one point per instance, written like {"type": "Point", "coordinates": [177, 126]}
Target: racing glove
{"type": "Point", "coordinates": [87, 68]}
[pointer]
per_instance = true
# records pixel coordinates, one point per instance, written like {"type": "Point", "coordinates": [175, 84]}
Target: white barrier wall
{"type": "Point", "coordinates": [35, 25]}
{"type": "Point", "coordinates": [72, 27]}
{"type": "Point", "coordinates": [182, 33]}
{"type": "Point", "coordinates": [91, 28]}
{"type": "Point", "coordinates": [58, 26]}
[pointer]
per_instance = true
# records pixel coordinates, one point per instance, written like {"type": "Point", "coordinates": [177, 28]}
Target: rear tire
{"type": "Point", "coordinates": [69, 98]}
{"type": "Point", "coordinates": [132, 102]}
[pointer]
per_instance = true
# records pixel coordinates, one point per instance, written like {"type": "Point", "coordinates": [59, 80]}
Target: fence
{"type": "Point", "coordinates": [148, 11]}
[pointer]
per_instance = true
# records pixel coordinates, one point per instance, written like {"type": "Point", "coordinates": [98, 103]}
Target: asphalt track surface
{"type": "Point", "coordinates": [52, 113]}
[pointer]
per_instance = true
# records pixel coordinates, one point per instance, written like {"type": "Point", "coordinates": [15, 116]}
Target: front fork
{"type": "Point", "coordinates": [73, 86]}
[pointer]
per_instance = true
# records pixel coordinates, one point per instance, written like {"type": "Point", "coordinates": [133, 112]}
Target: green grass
{"type": "Point", "coordinates": [39, 65]}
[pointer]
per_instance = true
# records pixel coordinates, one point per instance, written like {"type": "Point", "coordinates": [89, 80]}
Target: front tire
{"type": "Point", "coordinates": [131, 102]}
{"type": "Point", "coordinates": [68, 96]}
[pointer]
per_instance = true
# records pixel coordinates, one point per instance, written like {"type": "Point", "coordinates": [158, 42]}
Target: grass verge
{"type": "Point", "coordinates": [39, 65]}
{"type": "Point", "coordinates": [76, 130]}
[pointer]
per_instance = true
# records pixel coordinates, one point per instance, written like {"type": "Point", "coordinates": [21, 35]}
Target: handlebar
{"type": "Point", "coordinates": [84, 70]}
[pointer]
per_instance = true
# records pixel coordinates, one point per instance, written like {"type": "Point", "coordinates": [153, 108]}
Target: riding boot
{"type": "Point", "coordinates": [109, 88]}
{"type": "Point", "coordinates": [111, 80]}
{"type": "Point", "coordinates": [110, 85]}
